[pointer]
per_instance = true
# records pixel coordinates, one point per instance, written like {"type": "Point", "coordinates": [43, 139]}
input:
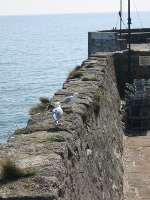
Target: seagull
{"type": "Point", "coordinates": [57, 113]}
{"type": "Point", "coordinates": [71, 99]}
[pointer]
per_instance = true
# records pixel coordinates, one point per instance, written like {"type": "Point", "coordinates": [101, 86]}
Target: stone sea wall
{"type": "Point", "coordinates": [84, 162]}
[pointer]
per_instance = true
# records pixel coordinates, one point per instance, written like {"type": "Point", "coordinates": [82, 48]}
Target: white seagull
{"type": "Point", "coordinates": [57, 113]}
{"type": "Point", "coordinates": [71, 99]}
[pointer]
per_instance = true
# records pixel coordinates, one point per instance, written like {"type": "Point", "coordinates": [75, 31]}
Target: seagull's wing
{"type": "Point", "coordinates": [67, 100]}
{"type": "Point", "coordinates": [57, 113]}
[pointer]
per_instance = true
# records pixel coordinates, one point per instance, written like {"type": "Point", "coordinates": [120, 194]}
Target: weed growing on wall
{"type": "Point", "coordinates": [89, 79]}
{"type": "Point", "coordinates": [50, 139]}
{"type": "Point", "coordinates": [40, 108]}
{"type": "Point", "coordinates": [23, 131]}
{"type": "Point", "coordinates": [11, 171]}
{"type": "Point", "coordinates": [84, 117]}
{"type": "Point", "coordinates": [75, 73]}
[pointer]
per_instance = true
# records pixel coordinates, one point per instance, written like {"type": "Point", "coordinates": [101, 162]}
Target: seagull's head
{"type": "Point", "coordinates": [75, 94]}
{"type": "Point", "coordinates": [57, 104]}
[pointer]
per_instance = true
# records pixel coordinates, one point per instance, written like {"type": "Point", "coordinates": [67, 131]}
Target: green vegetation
{"type": "Point", "coordinates": [81, 95]}
{"type": "Point", "coordinates": [97, 96]}
{"type": "Point", "coordinates": [85, 79]}
{"type": "Point", "coordinates": [23, 131]}
{"type": "Point", "coordinates": [96, 107]}
{"type": "Point", "coordinates": [50, 139]}
{"type": "Point", "coordinates": [89, 79]}
{"type": "Point", "coordinates": [96, 101]}
{"type": "Point", "coordinates": [44, 100]}
{"type": "Point", "coordinates": [11, 171]}
{"type": "Point", "coordinates": [74, 138]}
{"type": "Point", "coordinates": [40, 108]}
{"type": "Point", "coordinates": [75, 73]}
{"type": "Point", "coordinates": [84, 117]}
{"type": "Point", "coordinates": [78, 67]}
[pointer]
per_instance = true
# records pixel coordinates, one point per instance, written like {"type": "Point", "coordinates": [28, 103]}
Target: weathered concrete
{"type": "Point", "coordinates": [137, 165]}
{"type": "Point", "coordinates": [104, 42]}
{"type": "Point", "coordinates": [109, 40]}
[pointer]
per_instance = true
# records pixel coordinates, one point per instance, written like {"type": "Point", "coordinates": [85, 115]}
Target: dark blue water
{"type": "Point", "coordinates": [38, 52]}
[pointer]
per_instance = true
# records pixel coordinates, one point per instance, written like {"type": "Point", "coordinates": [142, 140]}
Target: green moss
{"type": "Point", "coordinates": [97, 96]}
{"type": "Point", "coordinates": [85, 79]}
{"type": "Point", "coordinates": [50, 139]}
{"type": "Point", "coordinates": [81, 95]}
{"type": "Point", "coordinates": [23, 131]}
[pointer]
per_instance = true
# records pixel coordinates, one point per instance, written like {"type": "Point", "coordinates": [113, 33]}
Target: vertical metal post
{"type": "Point", "coordinates": [120, 16]}
{"type": "Point", "coordinates": [129, 54]}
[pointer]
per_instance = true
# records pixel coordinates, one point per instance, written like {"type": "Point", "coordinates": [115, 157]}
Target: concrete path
{"type": "Point", "coordinates": [137, 166]}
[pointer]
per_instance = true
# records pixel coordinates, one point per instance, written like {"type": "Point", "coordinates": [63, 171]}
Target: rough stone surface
{"type": "Point", "coordinates": [85, 161]}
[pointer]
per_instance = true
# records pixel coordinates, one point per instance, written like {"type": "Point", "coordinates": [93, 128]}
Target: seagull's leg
{"type": "Point", "coordinates": [58, 124]}
{"type": "Point", "coordinates": [72, 108]}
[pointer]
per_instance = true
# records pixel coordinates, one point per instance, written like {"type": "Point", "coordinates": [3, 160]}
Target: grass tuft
{"type": "Point", "coordinates": [50, 139]}
{"type": "Point", "coordinates": [93, 79]}
{"type": "Point", "coordinates": [44, 100]}
{"type": "Point", "coordinates": [78, 67]}
{"type": "Point", "coordinates": [39, 108]}
{"type": "Point", "coordinates": [89, 79]}
{"type": "Point", "coordinates": [85, 79]}
{"type": "Point", "coordinates": [23, 131]}
{"type": "Point", "coordinates": [11, 171]}
{"type": "Point", "coordinates": [75, 73]}
{"type": "Point", "coordinates": [84, 117]}
{"type": "Point", "coordinates": [81, 95]}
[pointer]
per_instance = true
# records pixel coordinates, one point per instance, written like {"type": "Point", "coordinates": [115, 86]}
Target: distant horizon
{"type": "Point", "coordinates": [50, 7]}
{"type": "Point", "coordinates": [67, 13]}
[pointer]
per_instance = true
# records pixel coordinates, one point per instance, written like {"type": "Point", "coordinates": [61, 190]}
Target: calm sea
{"type": "Point", "coordinates": [38, 52]}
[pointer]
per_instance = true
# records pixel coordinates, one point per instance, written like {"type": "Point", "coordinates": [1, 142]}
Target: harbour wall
{"type": "Point", "coordinates": [84, 161]}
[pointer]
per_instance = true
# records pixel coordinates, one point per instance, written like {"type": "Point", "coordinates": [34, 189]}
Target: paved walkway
{"type": "Point", "coordinates": [137, 166]}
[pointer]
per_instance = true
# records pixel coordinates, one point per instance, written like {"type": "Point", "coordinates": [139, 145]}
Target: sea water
{"type": "Point", "coordinates": [37, 53]}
